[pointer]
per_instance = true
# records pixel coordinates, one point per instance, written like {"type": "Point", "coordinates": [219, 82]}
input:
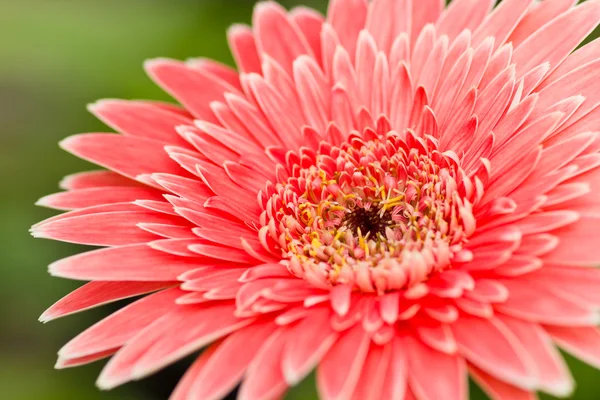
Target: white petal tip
{"type": "Point", "coordinates": [561, 390]}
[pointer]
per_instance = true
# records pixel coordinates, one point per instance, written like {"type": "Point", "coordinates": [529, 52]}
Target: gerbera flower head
{"type": "Point", "coordinates": [396, 195]}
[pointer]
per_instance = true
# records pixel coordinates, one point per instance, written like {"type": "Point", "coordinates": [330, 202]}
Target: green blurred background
{"type": "Point", "coordinates": [56, 56]}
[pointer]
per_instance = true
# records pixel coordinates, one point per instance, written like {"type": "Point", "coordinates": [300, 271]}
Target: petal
{"type": "Point", "coordinates": [313, 337]}
{"type": "Point", "coordinates": [127, 263]}
{"type": "Point", "coordinates": [500, 355]}
{"type": "Point", "coordinates": [142, 119]}
{"type": "Point", "coordinates": [98, 229]}
{"type": "Point", "coordinates": [339, 371]}
{"type": "Point", "coordinates": [424, 362]}
{"type": "Point", "coordinates": [82, 198]}
{"type": "Point", "coordinates": [535, 50]}
{"type": "Point", "coordinates": [227, 364]}
{"type": "Point", "coordinates": [119, 327]}
{"type": "Point", "coordinates": [95, 294]}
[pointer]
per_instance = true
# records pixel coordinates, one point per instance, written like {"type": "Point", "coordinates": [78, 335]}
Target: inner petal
{"type": "Point", "coordinates": [380, 214]}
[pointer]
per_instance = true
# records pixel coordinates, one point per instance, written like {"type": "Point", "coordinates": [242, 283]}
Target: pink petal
{"type": "Point", "coordinates": [243, 46]}
{"type": "Point", "coordinates": [119, 327]}
{"type": "Point", "coordinates": [497, 389]}
{"type": "Point", "coordinates": [579, 22]}
{"type": "Point", "coordinates": [97, 293]}
{"type": "Point", "coordinates": [463, 14]}
{"type": "Point", "coordinates": [277, 36]}
{"type": "Point", "coordinates": [371, 382]}
{"type": "Point", "coordinates": [395, 384]}
{"type": "Point", "coordinates": [98, 229]}
{"type": "Point", "coordinates": [537, 16]}
{"type": "Point", "coordinates": [500, 355]}
{"type": "Point", "coordinates": [196, 326]}
{"type": "Point", "coordinates": [541, 304]}
{"type": "Point", "coordinates": [82, 198]}
{"type": "Point", "coordinates": [127, 263]}
{"type": "Point", "coordinates": [264, 379]}
{"type": "Point", "coordinates": [501, 22]}
{"type": "Point", "coordinates": [138, 118]}
{"type": "Point", "coordinates": [193, 88]}
{"type": "Point", "coordinates": [310, 23]}
{"type": "Point", "coordinates": [126, 155]}
{"type": "Point", "coordinates": [583, 343]}
{"type": "Point", "coordinates": [182, 390]}
{"type": "Point", "coordinates": [94, 179]}
{"type": "Point", "coordinates": [348, 18]}
{"type": "Point", "coordinates": [424, 362]}
{"type": "Point", "coordinates": [552, 372]}
{"type": "Point", "coordinates": [339, 371]}
{"type": "Point", "coordinates": [227, 364]}
{"type": "Point", "coordinates": [313, 337]}
{"type": "Point", "coordinates": [386, 19]}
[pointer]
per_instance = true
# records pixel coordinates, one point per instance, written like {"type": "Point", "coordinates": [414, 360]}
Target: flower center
{"type": "Point", "coordinates": [381, 215]}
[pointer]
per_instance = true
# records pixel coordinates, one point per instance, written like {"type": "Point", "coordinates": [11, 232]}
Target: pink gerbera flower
{"type": "Point", "coordinates": [396, 194]}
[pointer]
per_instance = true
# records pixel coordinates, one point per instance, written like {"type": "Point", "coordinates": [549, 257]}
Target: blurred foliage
{"type": "Point", "coordinates": [58, 56]}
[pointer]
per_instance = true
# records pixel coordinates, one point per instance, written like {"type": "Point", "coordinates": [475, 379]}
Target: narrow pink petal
{"type": "Point", "coordinates": [243, 46]}
{"type": "Point", "coordinates": [576, 83]}
{"type": "Point", "coordinates": [264, 379]}
{"type": "Point", "coordinates": [227, 364]}
{"type": "Point", "coordinates": [421, 51]}
{"type": "Point", "coordinates": [401, 97]}
{"type": "Point", "coordinates": [197, 326]}
{"type": "Point", "coordinates": [497, 389]}
{"type": "Point", "coordinates": [514, 119]}
{"type": "Point", "coordinates": [579, 22]}
{"type": "Point", "coordinates": [348, 18]}
{"type": "Point", "coordinates": [279, 115]}
{"type": "Point", "coordinates": [97, 293]}
{"type": "Point", "coordinates": [396, 377]}
{"type": "Point", "coordinates": [119, 327]}
{"type": "Point", "coordinates": [552, 372]}
{"type": "Point", "coordinates": [371, 382]}
{"type": "Point", "coordinates": [95, 179]}
{"type": "Point", "coordinates": [537, 303]}
{"type": "Point", "coordinates": [182, 390]}
{"type": "Point", "coordinates": [313, 92]}
{"type": "Point", "coordinates": [339, 371]}
{"type": "Point", "coordinates": [126, 155]}
{"type": "Point", "coordinates": [313, 337]}
{"type": "Point", "coordinates": [445, 96]}
{"type": "Point", "coordinates": [64, 362]}
{"type": "Point", "coordinates": [82, 198]}
{"type": "Point", "coordinates": [501, 22]}
{"type": "Point", "coordinates": [500, 355]}
{"type": "Point", "coordinates": [310, 23]}
{"type": "Point", "coordinates": [138, 118]}
{"type": "Point", "coordinates": [584, 55]}
{"type": "Point", "coordinates": [277, 36]}
{"type": "Point", "coordinates": [192, 87]}
{"type": "Point", "coordinates": [386, 19]}
{"type": "Point", "coordinates": [463, 14]}
{"type": "Point", "coordinates": [222, 253]}
{"type": "Point", "coordinates": [583, 343]}
{"type": "Point", "coordinates": [538, 15]}
{"type": "Point", "coordinates": [98, 229]}
{"type": "Point", "coordinates": [217, 69]}
{"type": "Point", "coordinates": [424, 12]}
{"type": "Point", "coordinates": [340, 299]}
{"type": "Point", "coordinates": [127, 263]}
{"type": "Point", "coordinates": [424, 362]}
{"type": "Point", "coordinates": [572, 240]}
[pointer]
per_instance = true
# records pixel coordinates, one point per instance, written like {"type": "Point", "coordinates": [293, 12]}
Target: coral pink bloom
{"type": "Point", "coordinates": [396, 195]}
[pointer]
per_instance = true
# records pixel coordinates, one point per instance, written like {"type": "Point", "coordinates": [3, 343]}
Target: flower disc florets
{"type": "Point", "coordinates": [379, 212]}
